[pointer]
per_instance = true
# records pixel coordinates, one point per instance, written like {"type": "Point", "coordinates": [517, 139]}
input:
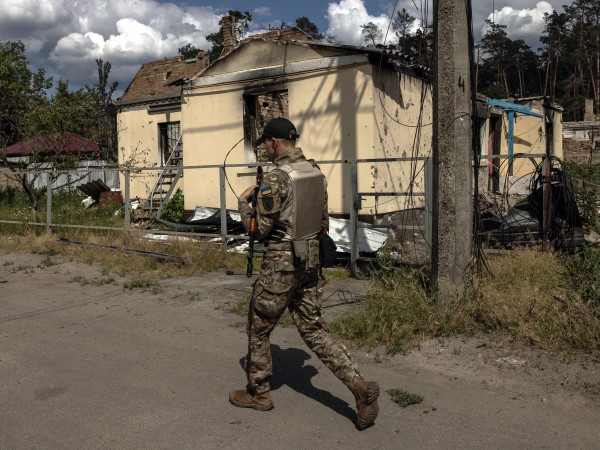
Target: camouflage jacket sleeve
{"type": "Point", "coordinates": [272, 193]}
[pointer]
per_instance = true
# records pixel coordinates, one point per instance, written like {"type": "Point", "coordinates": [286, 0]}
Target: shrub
{"type": "Point", "coordinates": [173, 210]}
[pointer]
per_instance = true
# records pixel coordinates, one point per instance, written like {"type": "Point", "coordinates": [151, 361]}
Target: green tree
{"type": "Point", "coordinates": [42, 122]}
{"type": "Point", "coordinates": [309, 28]}
{"type": "Point", "coordinates": [105, 116]}
{"type": "Point", "coordinates": [402, 24]}
{"type": "Point", "coordinates": [21, 90]}
{"type": "Point", "coordinates": [372, 34]}
{"type": "Point", "coordinates": [188, 51]}
{"type": "Point", "coordinates": [241, 25]}
{"type": "Point", "coordinates": [509, 68]}
{"type": "Point", "coordinates": [416, 47]}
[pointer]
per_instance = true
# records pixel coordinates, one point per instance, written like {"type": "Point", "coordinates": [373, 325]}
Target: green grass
{"type": "Point", "coordinates": [144, 285]}
{"type": "Point", "coordinates": [530, 295]}
{"type": "Point", "coordinates": [96, 281]}
{"type": "Point", "coordinates": [403, 398]}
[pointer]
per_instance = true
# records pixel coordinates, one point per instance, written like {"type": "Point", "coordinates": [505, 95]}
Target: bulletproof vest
{"type": "Point", "coordinates": [303, 209]}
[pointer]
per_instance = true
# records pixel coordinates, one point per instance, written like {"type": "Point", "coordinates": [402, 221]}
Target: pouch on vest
{"type": "Point", "coordinates": [327, 250]}
{"type": "Point", "coordinates": [306, 253]}
{"type": "Point", "coordinates": [300, 249]}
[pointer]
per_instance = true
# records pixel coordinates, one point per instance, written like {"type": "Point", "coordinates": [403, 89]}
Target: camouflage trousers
{"type": "Point", "coordinates": [280, 286]}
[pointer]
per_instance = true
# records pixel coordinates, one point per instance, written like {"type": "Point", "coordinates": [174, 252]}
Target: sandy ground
{"type": "Point", "coordinates": [87, 365]}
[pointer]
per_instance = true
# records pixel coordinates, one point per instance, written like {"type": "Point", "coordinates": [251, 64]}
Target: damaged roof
{"type": "Point", "coordinates": [162, 79]}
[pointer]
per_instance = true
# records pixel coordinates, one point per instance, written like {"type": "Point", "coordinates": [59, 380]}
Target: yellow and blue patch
{"type": "Point", "coordinates": [266, 191]}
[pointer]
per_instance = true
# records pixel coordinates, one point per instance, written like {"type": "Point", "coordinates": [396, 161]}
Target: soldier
{"type": "Point", "coordinates": [292, 211]}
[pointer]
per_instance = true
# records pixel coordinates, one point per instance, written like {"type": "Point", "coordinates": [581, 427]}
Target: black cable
{"type": "Point", "coordinates": [224, 165]}
{"type": "Point", "coordinates": [480, 260]}
{"type": "Point", "coordinates": [345, 297]}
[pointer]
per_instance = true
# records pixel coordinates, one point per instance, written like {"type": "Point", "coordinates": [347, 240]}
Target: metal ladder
{"type": "Point", "coordinates": [166, 181]}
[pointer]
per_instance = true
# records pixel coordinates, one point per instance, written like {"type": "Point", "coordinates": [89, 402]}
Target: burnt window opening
{"type": "Point", "coordinates": [170, 143]}
{"type": "Point", "coordinates": [259, 108]}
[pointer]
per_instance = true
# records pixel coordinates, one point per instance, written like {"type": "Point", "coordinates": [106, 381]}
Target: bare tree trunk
{"type": "Point", "coordinates": [547, 77]}
{"type": "Point", "coordinates": [505, 82]}
{"type": "Point", "coordinates": [521, 84]}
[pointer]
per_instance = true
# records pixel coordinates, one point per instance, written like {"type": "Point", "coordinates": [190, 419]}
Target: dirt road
{"type": "Point", "coordinates": [88, 364]}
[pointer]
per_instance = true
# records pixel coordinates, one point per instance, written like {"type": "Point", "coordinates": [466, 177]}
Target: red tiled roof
{"type": "Point", "coordinates": [159, 78]}
{"type": "Point", "coordinates": [53, 143]}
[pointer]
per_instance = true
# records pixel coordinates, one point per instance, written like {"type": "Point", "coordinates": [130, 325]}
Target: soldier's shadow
{"type": "Point", "coordinates": [289, 369]}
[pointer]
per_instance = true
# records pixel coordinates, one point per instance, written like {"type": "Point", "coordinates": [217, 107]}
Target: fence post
{"type": "Point", "coordinates": [223, 198]}
{"type": "Point", "coordinates": [428, 200]}
{"type": "Point", "coordinates": [48, 204]}
{"type": "Point", "coordinates": [354, 218]}
{"type": "Point", "coordinates": [127, 206]}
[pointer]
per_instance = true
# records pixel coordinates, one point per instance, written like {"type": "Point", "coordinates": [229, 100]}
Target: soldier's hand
{"type": "Point", "coordinates": [247, 194]}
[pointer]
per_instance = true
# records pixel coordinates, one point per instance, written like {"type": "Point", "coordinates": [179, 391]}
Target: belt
{"type": "Point", "coordinates": [280, 246]}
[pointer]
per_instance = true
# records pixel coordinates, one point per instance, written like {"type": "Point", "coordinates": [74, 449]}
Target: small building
{"type": "Point", "coordinates": [581, 142]}
{"type": "Point", "coordinates": [149, 121]}
{"type": "Point", "coordinates": [66, 149]}
{"type": "Point", "coordinates": [349, 103]}
{"type": "Point", "coordinates": [530, 127]}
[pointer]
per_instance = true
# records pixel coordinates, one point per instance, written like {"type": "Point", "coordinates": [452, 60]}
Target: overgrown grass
{"type": "Point", "coordinates": [587, 201]}
{"type": "Point", "coordinates": [203, 257]}
{"type": "Point", "coordinates": [530, 295]}
{"type": "Point", "coordinates": [66, 209]}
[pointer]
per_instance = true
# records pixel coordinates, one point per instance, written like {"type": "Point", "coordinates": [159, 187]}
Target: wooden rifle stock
{"type": "Point", "coordinates": [253, 221]}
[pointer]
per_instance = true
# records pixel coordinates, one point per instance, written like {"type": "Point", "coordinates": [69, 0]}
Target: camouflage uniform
{"type": "Point", "coordinates": [284, 283]}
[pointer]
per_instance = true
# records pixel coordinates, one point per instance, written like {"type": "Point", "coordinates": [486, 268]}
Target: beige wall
{"type": "Point", "coordinates": [529, 138]}
{"type": "Point", "coordinates": [139, 145]}
{"type": "Point", "coordinates": [403, 116]}
{"type": "Point", "coordinates": [333, 111]}
{"type": "Point", "coordinates": [339, 117]}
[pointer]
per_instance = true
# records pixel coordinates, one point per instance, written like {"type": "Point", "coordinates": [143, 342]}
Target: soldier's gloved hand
{"type": "Point", "coordinates": [247, 194]}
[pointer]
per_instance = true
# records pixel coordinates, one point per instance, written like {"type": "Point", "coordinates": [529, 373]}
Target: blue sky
{"type": "Point", "coordinates": [65, 36]}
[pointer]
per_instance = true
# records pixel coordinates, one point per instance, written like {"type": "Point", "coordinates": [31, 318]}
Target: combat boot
{"type": "Point", "coordinates": [243, 399]}
{"type": "Point", "coordinates": [366, 393]}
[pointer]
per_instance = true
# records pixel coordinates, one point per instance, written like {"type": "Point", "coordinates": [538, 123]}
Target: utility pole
{"type": "Point", "coordinates": [452, 240]}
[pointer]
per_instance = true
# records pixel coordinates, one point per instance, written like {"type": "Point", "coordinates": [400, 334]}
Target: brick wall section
{"type": "Point", "coordinates": [229, 39]}
{"type": "Point", "coordinates": [283, 35]}
{"type": "Point", "coordinates": [269, 106]}
{"type": "Point", "coordinates": [153, 76]}
{"type": "Point", "coordinates": [579, 151]}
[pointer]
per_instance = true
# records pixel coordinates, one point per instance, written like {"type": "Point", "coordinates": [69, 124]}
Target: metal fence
{"type": "Point", "coordinates": [127, 172]}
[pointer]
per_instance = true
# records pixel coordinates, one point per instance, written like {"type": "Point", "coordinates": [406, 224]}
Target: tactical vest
{"type": "Point", "coordinates": [303, 209]}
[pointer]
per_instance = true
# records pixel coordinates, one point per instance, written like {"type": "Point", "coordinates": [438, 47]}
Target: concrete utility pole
{"type": "Point", "coordinates": [452, 155]}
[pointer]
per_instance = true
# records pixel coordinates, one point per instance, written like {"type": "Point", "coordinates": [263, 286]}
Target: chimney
{"type": "Point", "coordinates": [227, 28]}
{"type": "Point", "coordinates": [203, 57]}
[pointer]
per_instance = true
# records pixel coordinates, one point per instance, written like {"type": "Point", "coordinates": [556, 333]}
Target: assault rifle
{"type": "Point", "coordinates": [253, 221]}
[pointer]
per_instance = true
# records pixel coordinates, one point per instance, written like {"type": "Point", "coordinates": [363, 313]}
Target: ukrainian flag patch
{"type": "Point", "coordinates": [266, 191]}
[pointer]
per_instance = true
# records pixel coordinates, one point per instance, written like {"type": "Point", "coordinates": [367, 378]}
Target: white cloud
{"type": "Point", "coordinates": [65, 36]}
{"type": "Point", "coordinates": [34, 12]}
{"type": "Point", "coordinates": [347, 16]}
{"type": "Point", "coordinates": [527, 23]}
{"type": "Point", "coordinates": [262, 11]}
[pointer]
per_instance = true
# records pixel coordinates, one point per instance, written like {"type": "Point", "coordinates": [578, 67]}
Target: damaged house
{"type": "Point", "coordinates": [517, 127]}
{"type": "Point", "coordinates": [149, 123]}
{"type": "Point", "coordinates": [349, 103]}
{"type": "Point", "coordinates": [362, 112]}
